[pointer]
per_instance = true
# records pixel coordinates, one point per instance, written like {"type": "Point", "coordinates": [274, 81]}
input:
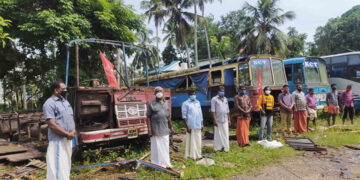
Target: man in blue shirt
{"type": "Point", "coordinates": [192, 114]}
{"type": "Point", "coordinates": [59, 117]}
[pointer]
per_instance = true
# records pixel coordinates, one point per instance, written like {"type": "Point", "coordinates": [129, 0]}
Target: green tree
{"type": "Point", "coordinates": [339, 34]}
{"type": "Point", "coordinates": [234, 25]}
{"type": "Point", "coordinates": [180, 17]}
{"type": "Point", "coordinates": [264, 36]}
{"type": "Point", "coordinates": [155, 9]}
{"type": "Point", "coordinates": [4, 36]}
{"type": "Point", "coordinates": [205, 24]}
{"type": "Point", "coordinates": [221, 47]}
{"type": "Point", "coordinates": [169, 54]}
{"type": "Point", "coordinates": [42, 30]}
{"type": "Point", "coordinates": [296, 43]}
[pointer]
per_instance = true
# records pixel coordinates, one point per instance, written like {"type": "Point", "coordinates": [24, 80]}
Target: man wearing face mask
{"type": "Point", "coordinates": [286, 104]}
{"type": "Point", "coordinates": [300, 113]}
{"type": "Point", "coordinates": [159, 121]}
{"type": "Point", "coordinates": [333, 104]}
{"type": "Point", "coordinates": [221, 116]}
{"type": "Point", "coordinates": [59, 117]}
{"type": "Point", "coordinates": [192, 114]}
{"type": "Point", "coordinates": [266, 105]}
{"type": "Point", "coordinates": [346, 98]}
{"type": "Point", "coordinates": [243, 105]}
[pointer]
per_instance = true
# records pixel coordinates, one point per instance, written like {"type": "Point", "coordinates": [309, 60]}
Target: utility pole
{"type": "Point", "coordinates": [118, 66]}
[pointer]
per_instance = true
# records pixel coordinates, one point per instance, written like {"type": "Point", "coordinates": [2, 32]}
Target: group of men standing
{"type": "Point", "coordinates": [59, 115]}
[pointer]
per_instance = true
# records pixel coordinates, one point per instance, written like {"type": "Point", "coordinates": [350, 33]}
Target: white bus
{"type": "Point", "coordinates": [344, 69]}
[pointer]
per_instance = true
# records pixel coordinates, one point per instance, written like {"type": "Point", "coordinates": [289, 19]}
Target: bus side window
{"type": "Point", "coordinates": [288, 71]}
{"type": "Point", "coordinates": [244, 75]}
{"type": "Point", "coordinates": [216, 77]}
{"type": "Point", "coordinates": [298, 74]}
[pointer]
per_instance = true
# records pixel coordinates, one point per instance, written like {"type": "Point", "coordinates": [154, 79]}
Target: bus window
{"type": "Point", "coordinates": [312, 74]}
{"type": "Point", "coordinates": [244, 75]}
{"type": "Point", "coordinates": [288, 71]}
{"type": "Point", "coordinates": [262, 65]}
{"type": "Point", "coordinates": [338, 60]}
{"type": "Point", "coordinates": [278, 71]}
{"type": "Point", "coordinates": [216, 77]}
{"type": "Point", "coordinates": [298, 74]}
{"type": "Point", "coordinates": [354, 60]}
{"type": "Point", "coordinates": [323, 73]}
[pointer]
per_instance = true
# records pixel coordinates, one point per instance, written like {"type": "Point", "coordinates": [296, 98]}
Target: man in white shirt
{"type": "Point", "coordinates": [221, 116]}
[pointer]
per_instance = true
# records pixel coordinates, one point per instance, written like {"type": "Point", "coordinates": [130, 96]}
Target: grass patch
{"type": "Point", "coordinates": [244, 159]}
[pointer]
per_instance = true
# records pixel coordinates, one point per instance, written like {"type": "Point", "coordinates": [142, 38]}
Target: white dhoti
{"type": "Point", "coordinates": [58, 160]}
{"type": "Point", "coordinates": [193, 144]}
{"type": "Point", "coordinates": [160, 151]}
{"type": "Point", "coordinates": [312, 114]}
{"type": "Point", "coordinates": [221, 136]}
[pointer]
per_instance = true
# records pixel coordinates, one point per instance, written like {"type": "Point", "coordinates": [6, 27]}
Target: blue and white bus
{"type": "Point", "coordinates": [311, 73]}
{"type": "Point", "coordinates": [231, 73]}
{"type": "Point", "coordinates": [344, 69]}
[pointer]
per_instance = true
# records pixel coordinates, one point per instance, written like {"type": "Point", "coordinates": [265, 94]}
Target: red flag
{"type": "Point", "coordinates": [109, 71]}
{"type": "Point", "coordinates": [259, 83]}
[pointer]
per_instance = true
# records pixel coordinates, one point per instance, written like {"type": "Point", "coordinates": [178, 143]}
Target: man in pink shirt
{"type": "Point", "coordinates": [311, 102]}
{"type": "Point", "coordinates": [346, 98]}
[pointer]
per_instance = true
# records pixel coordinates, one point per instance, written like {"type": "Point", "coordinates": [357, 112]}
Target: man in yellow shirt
{"type": "Point", "coordinates": [266, 104]}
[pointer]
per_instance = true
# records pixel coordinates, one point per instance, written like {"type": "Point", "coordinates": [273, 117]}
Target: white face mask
{"type": "Point", "coordinates": [267, 92]}
{"type": "Point", "coordinates": [159, 95]}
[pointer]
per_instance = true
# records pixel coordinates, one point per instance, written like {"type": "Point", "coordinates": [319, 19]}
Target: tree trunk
{"type": "Point", "coordinates": [207, 42]}
{"type": "Point", "coordinates": [24, 97]}
{"type": "Point", "coordinates": [187, 54]}
{"type": "Point", "coordinates": [157, 47]}
{"type": "Point", "coordinates": [4, 95]}
{"type": "Point", "coordinates": [195, 34]}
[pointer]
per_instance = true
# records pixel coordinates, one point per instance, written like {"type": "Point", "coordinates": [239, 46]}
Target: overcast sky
{"type": "Point", "coordinates": [309, 13]}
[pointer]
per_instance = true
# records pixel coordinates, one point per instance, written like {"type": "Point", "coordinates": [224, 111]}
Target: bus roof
{"type": "Point", "coordinates": [341, 54]}
{"type": "Point", "coordinates": [239, 59]}
{"type": "Point", "coordinates": [299, 59]}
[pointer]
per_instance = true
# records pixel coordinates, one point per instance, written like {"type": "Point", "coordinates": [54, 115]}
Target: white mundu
{"type": "Point", "coordinates": [160, 151]}
{"type": "Point", "coordinates": [58, 160]}
{"type": "Point", "coordinates": [193, 144]}
{"type": "Point", "coordinates": [221, 136]}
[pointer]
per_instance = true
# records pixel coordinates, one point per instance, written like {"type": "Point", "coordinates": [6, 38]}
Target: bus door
{"type": "Point", "coordinates": [294, 75]}
{"type": "Point", "coordinates": [230, 82]}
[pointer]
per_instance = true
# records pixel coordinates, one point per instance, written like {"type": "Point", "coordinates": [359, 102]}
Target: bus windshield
{"type": "Point", "coordinates": [312, 74]}
{"type": "Point", "coordinates": [262, 65]}
{"type": "Point", "coordinates": [323, 73]}
{"type": "Point", "coordinates": [278, 70]}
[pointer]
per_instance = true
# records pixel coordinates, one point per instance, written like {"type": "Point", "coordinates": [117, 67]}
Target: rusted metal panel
{"type": "Point", "coordinates": [303, 144]}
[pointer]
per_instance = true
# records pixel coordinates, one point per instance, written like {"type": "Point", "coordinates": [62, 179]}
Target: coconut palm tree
{"type": "Point", "coordinates": [155, 9]}
{"type": "Point", "coordinates": [264, 36]}
{"type": "Point", "coordinates": [202, 8]}
{"type": "Point", "coordinates": [145, 40]}
{"type": "Point", "coordinates": [180, 18]}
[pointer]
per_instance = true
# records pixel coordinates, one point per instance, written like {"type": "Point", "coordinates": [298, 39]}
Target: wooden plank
{"type": "Point", "coordinates": [11, 148]}
{"type": "Point", "coordinates": [22, 156]}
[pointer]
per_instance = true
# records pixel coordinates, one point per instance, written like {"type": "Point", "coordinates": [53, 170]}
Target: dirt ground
{"type": "Point", "coordinates": [336, 163]}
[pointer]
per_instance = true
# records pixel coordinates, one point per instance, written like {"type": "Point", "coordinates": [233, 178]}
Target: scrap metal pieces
{"type": "Point", "coordinates": [303, 144]}
{"type": "Point", "coordinates": [159, 168]}
{"type": "Point", "coordinates": [34, 165]}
